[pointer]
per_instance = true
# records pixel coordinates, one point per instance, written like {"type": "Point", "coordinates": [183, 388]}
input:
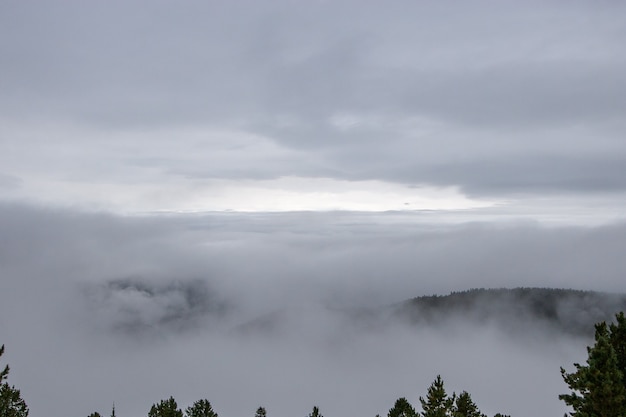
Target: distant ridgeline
{"type": "Point", "coordinates": [571, 311]}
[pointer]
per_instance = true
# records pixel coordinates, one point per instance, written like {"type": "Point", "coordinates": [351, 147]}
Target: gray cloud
{"type": "Point", "coordinates": [499, 84]}
{"type": "Point", "coordinates": [312, 61]}
{"type": "Point", "coordinates": [9, 181]}
{"type": "Point", "coordinates": [102, 103]}
{"type": "Point", "coordinates": [138, 305]}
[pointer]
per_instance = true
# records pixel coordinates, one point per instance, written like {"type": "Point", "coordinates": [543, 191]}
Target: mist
{"type": "Point", "coordinates": [231, 200]}
{"type": "Point", "coordinates": [257, 309]}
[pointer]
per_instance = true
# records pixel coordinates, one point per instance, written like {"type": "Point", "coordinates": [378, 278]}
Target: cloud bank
{"type": "Point", "coordinates": [250, 309]}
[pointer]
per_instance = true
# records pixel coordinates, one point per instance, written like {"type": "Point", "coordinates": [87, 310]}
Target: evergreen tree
{"type": "Point", "coordinates": [11, 402]}
{"type": "Point", "coordinates": [5, 371]}
{"type": "Point", "coordinates": [402, 408]}
{"type": "Point", "coordinates": [201, 408]}
{"type": "Point", "coordinates": [617, 336]}
{"type": "Point", "coordinates": [95, 414]}
{"type": "Point", "coordinates": [598, 388]}
{"type": "Point", "coordinates": [113, 411]}
{"type": "Point", "coordinates": [260, 412]}
{"type": "Point", "coordinates": [315, 412]}
{"type": "Point", "coordinates": [437, 402]}
{"type": "Point", "coordinates": [465, 407]}
{"type": "Point", "coordinates": [166, 408]}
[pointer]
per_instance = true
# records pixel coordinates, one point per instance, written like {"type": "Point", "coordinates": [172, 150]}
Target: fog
{"type": "Point", "coordinates": [225, 200]}
{"type": "Point", "coordinates": [253, 309]}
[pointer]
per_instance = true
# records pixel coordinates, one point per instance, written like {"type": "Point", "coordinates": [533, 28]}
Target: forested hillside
{"type": "Point", "coordinates": [518, 309]}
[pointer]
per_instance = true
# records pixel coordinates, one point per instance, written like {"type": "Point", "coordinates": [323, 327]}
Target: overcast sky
{"type": "Point", "coordinates": [284, 105]}
{"type": "Point", "coordinates": [172, 171]}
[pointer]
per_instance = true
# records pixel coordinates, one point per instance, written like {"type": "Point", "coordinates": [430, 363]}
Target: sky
{"type": "Point", "coordinates": [171, 172]}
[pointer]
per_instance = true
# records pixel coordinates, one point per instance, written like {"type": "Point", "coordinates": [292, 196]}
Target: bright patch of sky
{"type": "Point", "coordinates": [282, 194]}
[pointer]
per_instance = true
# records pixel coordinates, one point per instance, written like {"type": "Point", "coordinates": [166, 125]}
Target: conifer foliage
{"type": "Point", "coordinates": [11, 402]}
{"type": "Point", "coordinates": [5, 371]}
{"type": "Point", "coordinates": [437, 402]}
{"type": "Point", "coordinates": [465, 407]}
{"type": "Point", "coordinates": [260, 412]}
{"type": "Point", "coordinates": [598, 388]}
{"type": "Point", "coordinates": [201, 408]}
{"type": "Point", "coordinates": [315, 412]}
{"type": "Point", "coordinates": [166, 408]}
{"type": "Point", "coordinates": [402, 408]}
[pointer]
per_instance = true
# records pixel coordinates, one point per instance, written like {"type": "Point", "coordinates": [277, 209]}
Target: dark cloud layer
{"type": "Point", "coordinates": [411, 93]}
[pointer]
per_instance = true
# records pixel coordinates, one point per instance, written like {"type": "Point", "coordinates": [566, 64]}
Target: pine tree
{"type": "Point", "coordinates": [201, 408]}
{"type": "Point", "coordinates": [5, 372]}
{"type": "Point", "coordinates": [260, 412]}
{"type": "Point", "coordinates": [617, 336]}
{"type": "Point", "coordinates": [95, 414]}
{"type": "Point", "coordinates": [598, 388]}
{"type": "Point", "coordinates": [465, 407]}
{"type": "Point", "coordinates": [11, 402]}
{"type": "Point", "coordinates": [166, 408]}
{"type": "Point", "coordinates": [402, 408]}
{"type": "Point", "coordinates": [437, 402]}
{"type": "Point", "coordinates": [315, 412]}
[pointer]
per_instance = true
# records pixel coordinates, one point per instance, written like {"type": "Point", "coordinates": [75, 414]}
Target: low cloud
{"type": "Point", "coordinates": [281, 310]}
{"type": "Point", "coordinates": [140, 305]}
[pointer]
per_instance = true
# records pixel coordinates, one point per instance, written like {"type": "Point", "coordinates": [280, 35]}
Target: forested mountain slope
{"type": "Point", "coordinates": [571, 311]}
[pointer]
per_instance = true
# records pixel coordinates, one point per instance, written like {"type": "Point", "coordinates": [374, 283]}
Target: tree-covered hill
{"type": "Point", "coordinates": [571, 311]}
{"type": "Point", "coordinates": [521, 311]}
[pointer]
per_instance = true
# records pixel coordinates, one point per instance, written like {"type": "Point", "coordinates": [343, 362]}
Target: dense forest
{"type": "Point", "coordinates": [597, 387]}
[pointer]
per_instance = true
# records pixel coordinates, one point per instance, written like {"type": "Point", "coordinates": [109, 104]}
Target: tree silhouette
{"type": "Point", "coordinates": [401, 408]}
{"type": "Point", "coordinates": [315, 412]}
{"type": "Point", "coordinates": [11, 402]}
{"type": "Point", "coordinates": [166, 408]}
{"type": "Point", "coordinates": [465, 407]}
{"type": "Point", "coordinates": [598, 388]}
{"type": "Point", "coordinates": [437, 402]}
{"type": "Point", "coordinates": [201, 408]}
